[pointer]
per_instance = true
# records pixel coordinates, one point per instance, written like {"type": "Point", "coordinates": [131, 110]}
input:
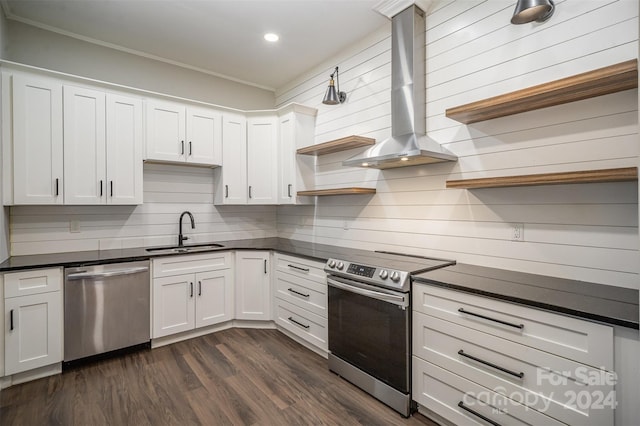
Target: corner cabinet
{"type": "Point", "coordinates": [253, 285]}
{"type": "Point", "coordinates": [262, 159]}
{"type": "Point", "coordinates": [34, 106]}
{"type": "Point", "coordinates": [231, 178]}
{"type": "Point", "coordinates": [178, 133]}
{"type": "Point", "coordinates": [33, 319]}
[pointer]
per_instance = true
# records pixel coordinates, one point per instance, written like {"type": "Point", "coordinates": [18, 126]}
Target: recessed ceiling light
{"type": "Point", "coordinates": [271, 37]}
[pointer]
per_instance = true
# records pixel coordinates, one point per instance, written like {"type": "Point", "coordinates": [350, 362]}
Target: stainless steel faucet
{"type": "Point", "coordinates": [181, 237]}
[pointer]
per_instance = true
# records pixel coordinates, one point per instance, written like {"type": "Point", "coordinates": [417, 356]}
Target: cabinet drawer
{"type": "Point", "coordinates": [303, 324]}
{"type": "Point", "coordinates": [580, 340]}
{"type": "Point", "coordinates": [300, 267]}
{"type": "Point", "coordinates": [442, 391]}
{"type": "Point", "coordinates": [191, 263]}
{"type": "Point", "coordinates": [33, 281]}
{"type": "Point", "coordinates": [309, 295]}
{"type": "Point", "coordinates": [566, 390]}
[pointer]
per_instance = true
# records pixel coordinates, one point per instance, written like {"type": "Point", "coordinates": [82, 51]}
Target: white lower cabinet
{"type": "Point", "coordinates": [33, 319]}
{"type": "Point", "coordinates": [253, 285]}
{"type": "Point", "coordinates": [467, 366]}
{"type": "Point", "coordinates": [199, 295]}
{"type": "Point", "coordinates": [300, 299]}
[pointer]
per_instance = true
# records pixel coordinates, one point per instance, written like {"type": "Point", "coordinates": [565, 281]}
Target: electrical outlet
{"type": "Point", "coordinates": [517, 232]}
{"type": "Point", "coordinates": [74, 226]}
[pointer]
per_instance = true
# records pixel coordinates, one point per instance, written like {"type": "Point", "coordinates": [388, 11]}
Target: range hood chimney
{"type": "Point", "coordinates": [408, 145]}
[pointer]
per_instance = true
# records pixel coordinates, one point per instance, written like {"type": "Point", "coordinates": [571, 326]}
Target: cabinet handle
{"type": "Point", "coordinates": [298, 268]}
{"type": "Point", "coordinates": [199, 288]}
{"type": "Point", "coordinates": [298, 323]}
{"type": "Point", "coordinates": [475, 413]}
{"type": "Point", "coordinates": [189, 147]}
{"type": "Point", "coordinates": [101, 188]}
{"type": "Point", "coordinates": [57, 187]}
{"type": "Point", "coordinates": [249, 191]}
{"type": "Point", "coordinates": [519, 375]}
{"type": "Point", "coordinates": [297, 292]}
{"type": "Point", "coordinates": [510, 324]}
{"type": "Point", "coordinates": [190, 289]}
{"type": "Point", "coordinates": [11, 320]}
{"type": "Point", "coordinates": [111, 188]}
{"type": "Point", "coordinates": [226, 191]}
{"type": "Point", "coordinates": [182, 148]}
{"type": "Point", "coordinates": [265, 266]}
{"type": "Point", "coordinates": [289, 190]}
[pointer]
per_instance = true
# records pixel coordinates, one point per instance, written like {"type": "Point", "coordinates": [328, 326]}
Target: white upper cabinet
{"type": "Point", "coordinates": [84, 146]}
{"type": "Point", "coordinates": [295, 172]}
{"type": "Point", "coordinates": [231, 181]}
{"type": "Point", "coordinates": [262, 159]}
{"type": "Point", "coordinates": [124, 150]}
{"type": "Point", "coordinates": [179, 133]}
{"type": "Point", "coordinates": [102, 147]}
{"type": "Point", "coordinates": [36, 111]}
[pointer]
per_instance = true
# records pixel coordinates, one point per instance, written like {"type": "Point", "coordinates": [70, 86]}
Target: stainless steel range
{"type": "Point", "coordinates": [370, 322]}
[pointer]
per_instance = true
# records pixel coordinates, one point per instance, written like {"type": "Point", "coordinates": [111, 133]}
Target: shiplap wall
{"type": "Point", "coordinates": [168, 191]}
{"type": "Point", "coordinates": [586, 232]}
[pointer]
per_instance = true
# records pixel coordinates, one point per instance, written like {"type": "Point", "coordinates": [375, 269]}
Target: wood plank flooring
{"type": "Point", "coordinates": [233, 377]}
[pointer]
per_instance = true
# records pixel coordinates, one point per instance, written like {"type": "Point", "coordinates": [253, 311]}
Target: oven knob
{"type": "Point", "coordinates": [340, 266]}
{"type": "Point", "coordinates": [395, 276]}
{"type": "Point", "coordinates": [331, 263]}
{"type": "Point", "coordinates": [384, 274]}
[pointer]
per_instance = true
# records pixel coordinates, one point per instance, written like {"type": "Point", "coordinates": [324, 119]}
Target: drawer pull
{"type": "Point", "coordinates": [298, 323]}
{"type": "Point", "coordinates": [298, 293]}
{"type": "Point", "coordinates": [510, 324]}
{"type": "Point", "coordinates": [519, 375]}
{"type": "Point", "coordinates": [11, 320]}
{"type": "Point", "coordinates": [475, 413]}
{"type": "Point", "coordinates": [298, 268]}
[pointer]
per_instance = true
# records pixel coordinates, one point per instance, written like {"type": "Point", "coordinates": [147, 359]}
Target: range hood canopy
{"type": "Point", "coordinates": [408, 145]}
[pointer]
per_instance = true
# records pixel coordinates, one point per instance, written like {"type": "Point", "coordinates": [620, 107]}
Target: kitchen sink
{"type": "Point", "coordinates": [185, 249]}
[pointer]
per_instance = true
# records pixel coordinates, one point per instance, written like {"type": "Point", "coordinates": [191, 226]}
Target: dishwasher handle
{"type": "Point", "coordinates": [96, 275]}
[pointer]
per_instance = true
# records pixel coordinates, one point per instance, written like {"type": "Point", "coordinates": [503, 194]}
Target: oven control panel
{"type": "Point", "coordinates": [398, 280]}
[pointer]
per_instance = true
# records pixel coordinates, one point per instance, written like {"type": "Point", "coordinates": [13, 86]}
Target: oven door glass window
{"type": "Point", "coordinates": [372, 335]}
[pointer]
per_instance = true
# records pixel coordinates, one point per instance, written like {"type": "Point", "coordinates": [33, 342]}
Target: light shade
{"type": "Point", "coordinates": [532, 10]}
{"type": "Point", "coordinates": [333, 96]}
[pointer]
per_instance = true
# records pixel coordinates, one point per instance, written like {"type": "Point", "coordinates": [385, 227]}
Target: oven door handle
{"type": "Point", "coordinates": [385, 297]}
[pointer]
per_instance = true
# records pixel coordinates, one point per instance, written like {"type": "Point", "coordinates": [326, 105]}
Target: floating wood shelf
{"type": "Point", "coordinates": [611, 79]}
{"type": "Point", "coordinates": [337, 145]}
{"type": "Point", "coordinates": [585, 176]}
{"type": "Point", "coordinates": [337, 191]}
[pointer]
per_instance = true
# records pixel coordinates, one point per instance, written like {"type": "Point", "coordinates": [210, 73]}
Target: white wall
{"type": "Point", "coordinates": [168, 191]}
{"type": "Point", "coordinates": [586, 232]}
{"type": "Point", "coordinates": [34, 46]}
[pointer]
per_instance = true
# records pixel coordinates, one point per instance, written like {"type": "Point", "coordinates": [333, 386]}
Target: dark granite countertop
{"type": "Point", "coordinates": [613, 305]}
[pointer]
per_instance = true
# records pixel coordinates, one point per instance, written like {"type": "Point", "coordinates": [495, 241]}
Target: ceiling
{"type": "Point", "coordinates": [221, 37]}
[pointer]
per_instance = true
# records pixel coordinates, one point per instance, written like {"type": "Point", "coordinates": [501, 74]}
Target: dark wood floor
{"type": "Point", "coordinates": [237, 376]}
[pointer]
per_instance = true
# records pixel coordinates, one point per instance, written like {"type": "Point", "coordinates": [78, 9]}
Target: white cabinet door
{"type": "Point", "coordinates": [295, 172]}
{"type": "Point", "coordinates": [37, 141]}
{"type": "Point", "coordinates": [173, 304]}
{"type": "Point", "coordinates": [124, 150]}
{"type": "Point", "coordinates": [214, 297]}
{"type": "Point", "coordinates": [33, 336]}
{"type": "Point", "coordinates": [232, 184]}
{"type": "Point", "coordinates": [253, 285]}
{"type": "Point", "coordinates": [204, 136]}
{"type": "Point", "coordinates": [84, 146]}
{"type": "Point", "coordinates": [262, 160]}
{"type": "Point", "coordinates": [165, 131]}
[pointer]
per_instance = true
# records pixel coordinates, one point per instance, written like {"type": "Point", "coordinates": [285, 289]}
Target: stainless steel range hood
{"type": "Point", "coordinates": [408, 145]}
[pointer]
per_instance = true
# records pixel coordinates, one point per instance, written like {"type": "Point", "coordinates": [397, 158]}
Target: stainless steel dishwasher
{"type": "Point", "coordinates": [106, 308]}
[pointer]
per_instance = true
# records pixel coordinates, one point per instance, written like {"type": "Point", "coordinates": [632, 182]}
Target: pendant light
{"type": "Point", "coordinates": [532, 10]}
{"type": "Point", "coordinates": [333, 96]}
